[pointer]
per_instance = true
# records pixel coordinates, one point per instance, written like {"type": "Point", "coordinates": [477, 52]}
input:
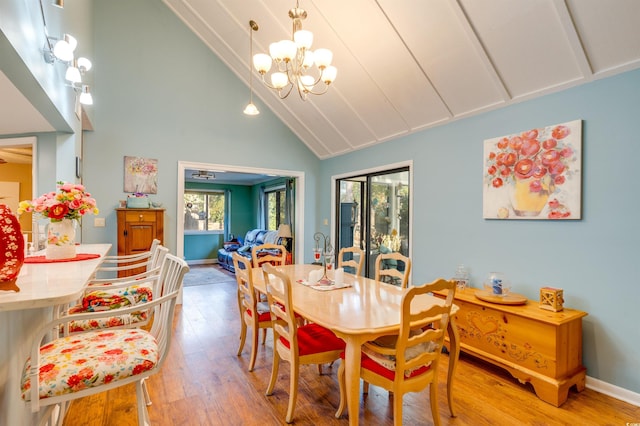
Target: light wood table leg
{"type": "Point", "coordinates": [454, 354]}
{"type": "Point", "coordinates": [352, 375]}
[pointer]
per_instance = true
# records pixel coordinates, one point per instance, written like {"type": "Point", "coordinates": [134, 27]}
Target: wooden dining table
{"type": "Point", "coordinates": [361, 312]}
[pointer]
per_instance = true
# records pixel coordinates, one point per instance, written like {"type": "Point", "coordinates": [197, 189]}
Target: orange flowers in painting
{"type": "Point", "coordinates": [533, 167]}
{"type": "Point", "coordinates": [523, 156]}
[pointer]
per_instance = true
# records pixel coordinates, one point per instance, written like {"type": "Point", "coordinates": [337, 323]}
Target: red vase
{"type": "Point", "coordinates": [11, 249]}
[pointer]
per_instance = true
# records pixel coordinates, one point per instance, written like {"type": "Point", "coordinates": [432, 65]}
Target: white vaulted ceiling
{"type": "Point", "coordinates": [407, 65]}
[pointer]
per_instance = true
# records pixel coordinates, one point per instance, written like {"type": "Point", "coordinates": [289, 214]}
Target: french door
{"type": "Point", "coordinates": [373, 214]}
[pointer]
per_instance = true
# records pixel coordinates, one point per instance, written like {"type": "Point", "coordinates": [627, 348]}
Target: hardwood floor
{"type": "Point", "coordinates": [205, 383]}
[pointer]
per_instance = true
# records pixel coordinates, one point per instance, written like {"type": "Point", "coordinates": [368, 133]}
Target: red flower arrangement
{"type": "Point", "coordinates": [70, 202]}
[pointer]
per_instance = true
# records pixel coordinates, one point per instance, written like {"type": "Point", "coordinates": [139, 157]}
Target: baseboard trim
{"type": "Point", "coordinates": [613, 391]}
{"type": "Point", "coordinates": [202, 262]}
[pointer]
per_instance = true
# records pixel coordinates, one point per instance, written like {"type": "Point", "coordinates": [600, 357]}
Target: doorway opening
{"type": "Point", "coordinates": [222, 169]}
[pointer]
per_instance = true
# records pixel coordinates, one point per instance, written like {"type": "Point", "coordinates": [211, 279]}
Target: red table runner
{"type": "Point", "coordinates": [43, 259]}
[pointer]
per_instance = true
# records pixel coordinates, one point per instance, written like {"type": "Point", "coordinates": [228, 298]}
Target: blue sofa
{"type": "Point", "coordinates": [243, 246]}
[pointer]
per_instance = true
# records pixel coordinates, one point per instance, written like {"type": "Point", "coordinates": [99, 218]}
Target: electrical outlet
{"type": "Point", "coordinates": [326, 221]}
{"type": "Point", "coordinates": [99, 222]}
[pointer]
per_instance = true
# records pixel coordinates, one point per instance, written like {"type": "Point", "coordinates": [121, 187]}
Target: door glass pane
{"type": "Point", "coordinates": [350, 216]}
{"type": "Point", "coordinates": [389, 216]}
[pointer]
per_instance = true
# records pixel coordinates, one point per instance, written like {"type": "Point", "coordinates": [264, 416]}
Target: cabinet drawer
{"type": "Point", "coordinates": [139, 216]}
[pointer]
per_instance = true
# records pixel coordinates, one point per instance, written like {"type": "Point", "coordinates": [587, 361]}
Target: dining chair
{"type": "Point", "coordinates": [254, 314]}
{"type": "Point", "coordinates": [117, 293]}
{"type": "Point", "coordinates": [297, 344]}
{"type": "Point", "coordinates": [415, 352]}
{"type": "Point", "coordinates": [66, 368]}
{"type": "Point", "coordinates": [389, 270]}
{"type": "Point", "coordinates": [351, 257]}
{"type": "Point", "coordinates": [111, 265]}
{"type": "Point", "coordinates": [275, 254]}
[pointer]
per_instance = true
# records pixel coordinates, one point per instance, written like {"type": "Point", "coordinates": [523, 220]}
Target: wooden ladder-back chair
{"type": "Point", "coordinates": [414, 351]}
{"type": "Point", "coordinates": [274, 254]}
{"type": "Point", "coordinates": [294, 343]}
{"type": "Point", "coordinates": [355, 259]}
{"type": "Point", "coordinates": [66, 368]}
{"type": "Point", "coordinates": [254, 314]}
{"type": "Point", "coordinates": [387, 269]}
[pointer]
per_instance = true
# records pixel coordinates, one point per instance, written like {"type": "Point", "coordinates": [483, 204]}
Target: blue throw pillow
{"type": "Point", "coordinates": [232, 246]}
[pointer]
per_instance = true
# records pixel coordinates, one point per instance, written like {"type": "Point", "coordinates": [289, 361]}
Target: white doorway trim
{"type": "Point", "coordinates": [299, 208]}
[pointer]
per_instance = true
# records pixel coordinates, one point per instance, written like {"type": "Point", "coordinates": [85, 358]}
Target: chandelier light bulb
{"type": "Point", "coordinates": [289, 49]}
{"type": "Point", "coordinates": [62, 50]}
{"type": "Point", "coordinates": [303, 39]}
{"type": "Point", "coordinates": [308, 59]}
{"type": "Point", "coordinates": [262, 62]}
{"type": "Point", "coordinates": [84, 64]}
{"type": "Point", "coordinates": [276, 52]}
{"type": "Point", "coordinates": [278, 80]}
{"type": "Point", "coordinates": [307, 81]}
{"type": "Point", "coordinates": [329, 74]}
{"type": "Point", "coordinates": [323, 58]}
{"type": "Point", "coordinates": [85, 96]}
{"type": "Point", "coordinates": [73, 43]}
{"type": "Point", "coordinates": [73, 73]}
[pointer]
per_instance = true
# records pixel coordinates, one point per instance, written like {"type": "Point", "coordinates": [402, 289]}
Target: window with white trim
{"type": "Point", "coordinates": [204, 211]}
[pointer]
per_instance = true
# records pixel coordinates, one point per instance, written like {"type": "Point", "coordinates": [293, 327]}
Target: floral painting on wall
{"type": "Point", "coordinates": [140, 175]}
{"type": "Point", "coordinates": [535, 174]}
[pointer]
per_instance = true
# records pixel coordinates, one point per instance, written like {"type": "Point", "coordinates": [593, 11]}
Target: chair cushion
{"type": "Point", "coordinates": [388, 362]}
{"type": "Point", "coordinates": [377, 367]}
{"type": "Point", "coordinates": [314, 339]}
{"type": "Point", "coordinates": [101, 300]}
{"type": "Point", "coordinates": [109, 322]}
{"type": "Point", "coordinates": [73, 363]}
{"type": "Point", "coordinates": [262, 316]}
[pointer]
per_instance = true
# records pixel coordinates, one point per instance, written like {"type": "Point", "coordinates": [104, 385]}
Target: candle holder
{"type": "Point", "coordinates": [324, 250]}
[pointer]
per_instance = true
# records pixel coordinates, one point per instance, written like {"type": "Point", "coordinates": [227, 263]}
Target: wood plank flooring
{"type": "Point", "coordinates": [204, 383]}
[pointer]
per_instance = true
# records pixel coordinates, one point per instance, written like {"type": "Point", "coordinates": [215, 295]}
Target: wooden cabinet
{"type": "Point", "coordinates": [536, 346]}
{"type": "Point", "coordinates": [137, 228]}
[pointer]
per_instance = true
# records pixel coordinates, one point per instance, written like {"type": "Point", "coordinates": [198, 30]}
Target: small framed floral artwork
{"type": "Point", "coordinates": [140, 175]}
{"type": "Point", "coordinates": [535, 174]}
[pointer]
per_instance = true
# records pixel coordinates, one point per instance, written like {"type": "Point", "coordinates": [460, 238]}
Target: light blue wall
{"type": "Point", "coordinates": [595, 260]}
{"type": "Point", "coordinates": [160, 93]}
{"type": "Point", "coordinates": [22, 38]}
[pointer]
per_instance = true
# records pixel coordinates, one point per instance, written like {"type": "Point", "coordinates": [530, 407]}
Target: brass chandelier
{"type": "Point", "coordinates": [295, 64]}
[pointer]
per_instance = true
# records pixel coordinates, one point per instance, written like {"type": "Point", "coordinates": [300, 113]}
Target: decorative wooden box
{"type": "Point", "coordinates": [551, 299]}
{"type": "Point", "coordinates": [536, 346]}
